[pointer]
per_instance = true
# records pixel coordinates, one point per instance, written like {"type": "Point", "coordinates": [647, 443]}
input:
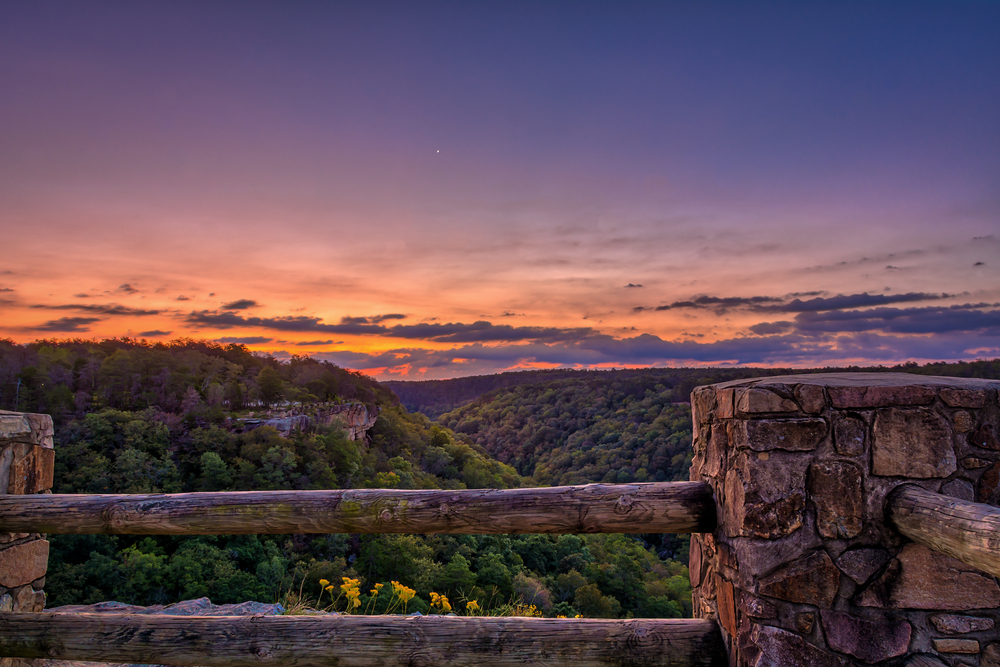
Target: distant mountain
{"type": "Point", "coordinates": [435, 397]}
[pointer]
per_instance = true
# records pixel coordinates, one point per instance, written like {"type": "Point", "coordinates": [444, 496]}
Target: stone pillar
{"type": "Point", "coordinates": [803, 570]}
{"type": "Point", "coordinates": [26, 466]}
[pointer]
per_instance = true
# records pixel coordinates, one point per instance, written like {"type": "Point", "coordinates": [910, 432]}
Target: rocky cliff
{"type": "Point", "coordinates": [355, 418]}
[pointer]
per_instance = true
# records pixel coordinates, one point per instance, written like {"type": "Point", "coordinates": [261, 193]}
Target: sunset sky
{"type": "Point", "coordinates": [437, 189]}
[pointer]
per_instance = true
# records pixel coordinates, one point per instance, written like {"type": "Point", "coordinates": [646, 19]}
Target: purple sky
{"type": "Point", "coordinates": [440, 189]}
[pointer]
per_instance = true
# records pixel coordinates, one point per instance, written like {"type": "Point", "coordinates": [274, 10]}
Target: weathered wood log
{"type": "Point", "coordinates": [360, 641]}
{"type": "Point", "coordinates": [666, 507]}
{"type": "Point", "coordinates": [967, 531]}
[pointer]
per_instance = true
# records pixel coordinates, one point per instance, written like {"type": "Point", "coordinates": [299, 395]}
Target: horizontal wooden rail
{"type": "Point", "coordinates": [665, 507]}
{"type": "Point", "coordinates": [967, 531]}
{"type": "Point", "coordinates": [360, 641]}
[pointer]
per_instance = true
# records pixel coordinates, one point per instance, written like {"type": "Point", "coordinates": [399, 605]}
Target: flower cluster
{"type": "Point", "coordinates": [471, 607]}
{"type": "Point", "coordinates": [351, 589]}
{"type": "Point", "coordinates": [440, 602]}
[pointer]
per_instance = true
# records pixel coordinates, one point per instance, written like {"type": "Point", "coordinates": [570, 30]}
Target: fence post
{"type": "Point", "coordinates": [26, 466]}
{"type": "Point", "coordinates": [804, 568]}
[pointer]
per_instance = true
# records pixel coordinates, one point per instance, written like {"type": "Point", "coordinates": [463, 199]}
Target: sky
{"type": "Point", "coordinates": [427, 190]}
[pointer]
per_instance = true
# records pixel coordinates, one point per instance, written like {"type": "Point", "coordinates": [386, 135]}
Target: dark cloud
{"type": "Point", "coordinates": [481, 331]}
{"type": "Point", "coordinates": [770, 304]}
{"type": "Point", "coordinates": [372, 319]}
{"type": "Point", "coordinates": [484, 332]}
{"type": "Point", "coordinates": [841, 302]}
{"type": "Point", "coordinates": [714, 302]}
{"type": "Point", "coordinates": [155, 333]}
{"type": "Point", "coordinates": [314, 342]}
{"type": "Point", "coordinates": [183, 298]}
{"type": "Point", "coordinates": [244, 340]}
{"type": "Point", "coordinates": [633, 285]}
{"type": "Point", "coordinates": [68, 324]}
{"type": "Point", "coordinates": [929, 320]}
{"type": "Point", "coordinates": [228, 320]}
{"type": "Point", "coordinates": [109, 309]}
{"type": "Point", "coordinates": [240, 304]}
{"type": "Point", "coordinates": [980, 264]}
{"type": "Point", "coordinates": [128, 289]}
{"type": "Point", "coordinates": [6, 289]}
{"type": "Point", "coordinates": [82, 295]}
{"type": "Point", "coordinates": [767, 328]}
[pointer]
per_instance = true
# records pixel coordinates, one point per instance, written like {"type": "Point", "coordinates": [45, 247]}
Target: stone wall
{"type": "Point", "coordinates": [26, 466]}
{"type": "Point", "coordinates": [803, 569]}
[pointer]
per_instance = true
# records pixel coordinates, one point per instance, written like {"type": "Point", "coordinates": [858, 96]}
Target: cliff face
{"type": "Point", "coordinates": [355, 418]}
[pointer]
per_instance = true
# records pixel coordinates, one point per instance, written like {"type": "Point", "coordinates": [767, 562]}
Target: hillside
{"type": "Point", "coordinates": [137, 418]}
{"type": "Point", "coordinates": [435, 397]}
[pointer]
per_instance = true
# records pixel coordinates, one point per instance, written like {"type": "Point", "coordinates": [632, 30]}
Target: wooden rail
{"type": "Point", "coordinates": [665, 507]}
{"type": "Point", "coordinates": [967, 531]}
{"type": "Point", "coordinates": [361, 641]}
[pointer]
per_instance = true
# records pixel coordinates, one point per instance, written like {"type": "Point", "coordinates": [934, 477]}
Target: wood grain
{"type": "Point", "coordinates": [361, 641]}
{"type": "Point", "coordinates": [967, 531]}
{"type": "Point", "coordinates": [664, 507]}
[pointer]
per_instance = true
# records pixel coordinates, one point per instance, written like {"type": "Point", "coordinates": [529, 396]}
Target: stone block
{"type": "Point", "coordinates": [780, 648]}
{"type": "Point", "coordinates": [985, 437]}
{"type": "Point", "coordinates": [990, 656]}
{"type": "Point", "coordinates": [963, 398]}
{"type": "Point", "coordinates": [23, 563]}
{"type": "Point", "coordinates": [811, 398]}
{"type": "Point", "coordinates": [31, 469]}
{"type": "Point", "coordinates": [696, 562]}
{"type": "Point", "coordinates": [952, 624]}
{"type": "Point", "coordinates": [959, 488]}
{"type": "Point", "coordinates": [760, 557]}
{"type": "Point", "coordinates": [920, 578]}
{"type": "Point", "coordinates": [794, 435]}
{"type": "Point", "coordinates": [725, 403]}
{"type": "Point", "coordinates": [715, 452]}
{"type": "Point", "coordinates": [850, 436]}
{"type": "Point", "coordinates": [812, 579]}
{"type": "Point", "coordinates": [42, 429]}
{"type": "Point", "coordinates": [805, 622]}
{"type": "Point", "coordinates": [6, 602]}
{"type": "Point", "coordinates": [14, 426]}
{"type": "Point", "coordinates": [880, 397]}
{"type": "Point", "coordinates": [974, 463]}
{"type": "Point", "coordinates": [725, 600]}
{"type": "Point", "coordinates": [28, 599]}
{"type": "Point", "coordinates": [764, 498]}
{"type": "Point", "coordinates": [924, 660]}
{"type": "Point", "coordinates": [912, 443]}
{"type": "Point", "coordinates": [988, 489]}
{"type": "Point", "coordinates": [861, 564]}
{"type": "Point", "coordinates": [870, 639]}
{"type": "Point", "coordinates": [756, 607]}
{"type": "Point", "coordinates": [966, 646]}
{"type": "Point", "coordinates": [756, 401]}
{"type": "Point", "coordinates": [836, 489]}
{"type": "Point", "coordinates": [962, 421]}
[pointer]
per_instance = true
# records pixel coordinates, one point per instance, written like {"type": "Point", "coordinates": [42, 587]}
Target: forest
{"type": "Point", "coordinates": [133, 417]}
{"type": "Point", "coordinates": [136, 417]}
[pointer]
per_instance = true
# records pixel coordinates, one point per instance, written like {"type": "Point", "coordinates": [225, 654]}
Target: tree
{"type": "Point", "coordinates": [271, 386]}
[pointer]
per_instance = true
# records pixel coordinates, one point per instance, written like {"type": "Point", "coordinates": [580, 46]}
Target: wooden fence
{"type": "Point", "coordinates": [964, 530]}
{"type": "Point", "coordinates": [349, 641]}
